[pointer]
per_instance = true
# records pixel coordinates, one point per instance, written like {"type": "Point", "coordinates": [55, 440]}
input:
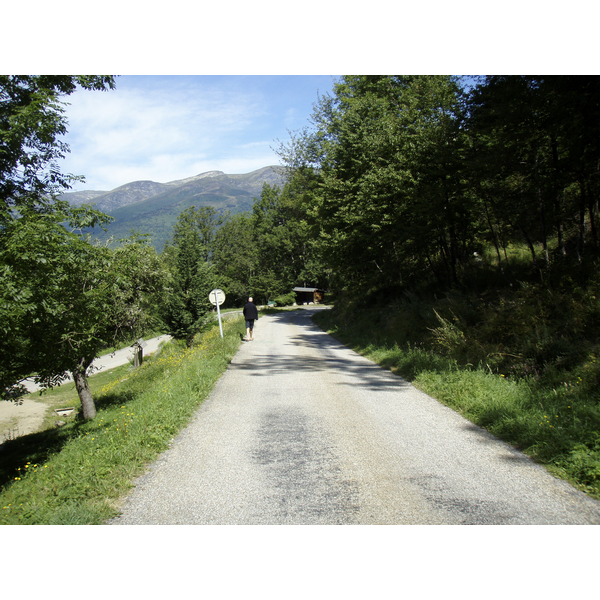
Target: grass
{"type": "Point", "coordinates": [554, 417]}
{"type": "Point", "coordinates": [79, 473]}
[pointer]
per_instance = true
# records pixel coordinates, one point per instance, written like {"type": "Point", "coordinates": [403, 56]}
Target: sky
{"type": "Point", "coordinates": [164, 128]}
{"type": "Point", "coordinates": [241, 75]}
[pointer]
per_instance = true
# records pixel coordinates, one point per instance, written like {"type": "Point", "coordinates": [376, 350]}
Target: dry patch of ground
{"type": "Point", "coordinates": [20, 419]}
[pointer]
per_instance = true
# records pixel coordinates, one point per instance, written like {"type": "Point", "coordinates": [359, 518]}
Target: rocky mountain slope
{"type": "Point", "coordinates": [152, 208]}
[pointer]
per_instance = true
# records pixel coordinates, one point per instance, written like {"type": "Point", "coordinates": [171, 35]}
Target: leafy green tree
{"type": "Point", "coordinates": [236, 257]}
{"type": "Point", "coordinates": [511, 157]}
{"type": "Point", "coordinates": [42, 263]}
{"type": "Point", "coordinates": [536, 147]}
{"type": "Point", "coordinates": [270, 278]}
{"type": "Point", "coordinates": [31, 123]}
{"type": "Point", "coordinates": [390, 203]}
{"type": "Point", "coordinates": [186, 308]}
{"type": "Point", "coordinates": [298, 193]}
{"type": "Point", "coordinates": [286, 255]}
{"type": "Point", "coordinates": [65, 299]}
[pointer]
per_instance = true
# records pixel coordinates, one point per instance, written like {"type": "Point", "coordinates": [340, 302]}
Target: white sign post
{"type": "Point", "coordinates": [217, 297]}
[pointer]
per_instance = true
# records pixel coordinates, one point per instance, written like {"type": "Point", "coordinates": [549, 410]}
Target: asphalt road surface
{"type": "Point", "coordinates": [301, 430]}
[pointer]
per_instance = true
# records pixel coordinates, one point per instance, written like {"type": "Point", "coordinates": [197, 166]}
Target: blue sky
{"type": "Point", "coordinates": [170, 127]}
{"type": "Point", "coordinates": [164, 128]}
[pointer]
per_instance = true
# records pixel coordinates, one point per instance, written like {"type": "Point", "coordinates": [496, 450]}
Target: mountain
{"type": "Point", "coordinates": [152, 208]}
{"type": "Point", "coordinates": [122, 196]}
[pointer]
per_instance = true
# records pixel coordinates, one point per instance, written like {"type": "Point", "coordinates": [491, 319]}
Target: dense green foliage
{"type": "Point", "coordinates": [415, 176]}
{"type": "Point", "coordinates": [65, 299]}
{"type": "Point", "coordinates": [235, 257]}
{"type": "Point", "coordinates": [268, 252]}
{"type": "Point", "coordinates": [185, 310]}
{"type": "Point", "coordinates": [390, 201]}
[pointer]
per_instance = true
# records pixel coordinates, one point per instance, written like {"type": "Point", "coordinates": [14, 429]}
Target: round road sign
{"type": "Point", "coordinates": [217, 297]}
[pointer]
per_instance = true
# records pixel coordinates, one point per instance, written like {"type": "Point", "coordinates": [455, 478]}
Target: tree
{"type": "Point", "coordinates": [283, 236]}
{"type": "Point", "coordinates": [31, 123]}
{"type": "Point", "coordinates": [38, 254]}
{"type": "Point", "coordinates": [236, 257]}
{"type": "Point", "coordinates": [65, 299]}
{"type": "Point", "coordinates": [389, 203]}
{"type": "Point", "coordinates": [536, 148]}
{"type": "Point", "coordinates": [271, 276]}
{"type": "Point", "coordinates": [192, 277]}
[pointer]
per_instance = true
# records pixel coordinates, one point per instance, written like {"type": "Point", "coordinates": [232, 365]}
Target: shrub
{"type": "Point", "coordinates": [285, 299]}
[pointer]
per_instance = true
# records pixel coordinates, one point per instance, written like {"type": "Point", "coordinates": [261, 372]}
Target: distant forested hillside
{"type": "Point", "coordinates": [152, 208]}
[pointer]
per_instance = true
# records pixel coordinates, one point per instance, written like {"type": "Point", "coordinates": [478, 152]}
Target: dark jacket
{"type": "Point", "coordinates": [250, 311]}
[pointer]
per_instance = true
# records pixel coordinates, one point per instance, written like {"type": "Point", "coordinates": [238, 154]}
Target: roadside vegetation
{"type": "Point", "coordinates": [456, 222]}
{"type": "Point", "coordinates": [520, 361]}
{"type": "Point", "coordinates": [77, 473]}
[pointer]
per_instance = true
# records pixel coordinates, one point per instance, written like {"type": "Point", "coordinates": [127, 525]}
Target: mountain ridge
{"type": "Point", "coordinates": [150, 207]}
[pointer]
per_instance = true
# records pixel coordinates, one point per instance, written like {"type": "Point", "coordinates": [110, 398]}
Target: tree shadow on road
{"type": "Point", "coordinates": [330, 355]}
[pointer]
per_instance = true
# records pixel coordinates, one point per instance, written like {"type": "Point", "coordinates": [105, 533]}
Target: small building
{"type": "Point", "coordinates": [305, 295]}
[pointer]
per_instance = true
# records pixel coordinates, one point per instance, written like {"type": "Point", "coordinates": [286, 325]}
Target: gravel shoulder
{"type": "Point", "coordinates": [302, 430]}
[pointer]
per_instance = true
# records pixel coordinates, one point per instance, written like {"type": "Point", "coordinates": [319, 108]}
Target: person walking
{"type": "Point", "coordinates": [251, 315]}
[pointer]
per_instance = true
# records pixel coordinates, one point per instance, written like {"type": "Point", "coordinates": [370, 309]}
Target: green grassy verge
{"type": "Point", "coordinates": [78, 473]}
{"type": "Point", "coordinates": [557, 424]}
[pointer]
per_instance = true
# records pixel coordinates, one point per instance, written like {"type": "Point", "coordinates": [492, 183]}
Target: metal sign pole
{"type": "Point", "coordinates": [219, 314]}
{"type": "Point", "coordinates": [219, 299]}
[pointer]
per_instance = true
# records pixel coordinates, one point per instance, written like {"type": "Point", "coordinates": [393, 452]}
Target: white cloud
{"type": "Point", "coordinates": [161, 134]}
{"type": "Point", "coordinates": [168, 128]}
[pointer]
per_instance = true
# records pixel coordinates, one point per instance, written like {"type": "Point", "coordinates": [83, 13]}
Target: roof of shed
{"type": "Point", "coordinates": [302, 289]}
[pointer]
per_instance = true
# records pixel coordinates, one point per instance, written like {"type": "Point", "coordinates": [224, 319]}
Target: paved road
{"type": "Point", "coordinates": [301, 430]}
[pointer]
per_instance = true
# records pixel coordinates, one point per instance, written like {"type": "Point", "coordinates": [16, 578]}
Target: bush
{"type": "Point", "coordinates": [285, 299]}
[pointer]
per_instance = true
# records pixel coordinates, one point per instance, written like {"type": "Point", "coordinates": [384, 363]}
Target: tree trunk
{"type": "Point", "coordinates": [445, 254]}
{"type": "Point", "coordinates": [557, 203]}
{"type": "Point", "coordinates": [592, 217]}
{"type": "Point", "coordinates": [83, 389]}
{"type": "Point", "coordinates": [530, 245]}
{"type": "Point", "coordinates": [434, 271]}
{"type": "Point", "coordinates": [494, 236]}
{"type": "Point", "coordinates": [540, 198]}
{"type": "Point", "coordinates": [581, 237]}
{"type": "Point", "coordinates": [503, 267]}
